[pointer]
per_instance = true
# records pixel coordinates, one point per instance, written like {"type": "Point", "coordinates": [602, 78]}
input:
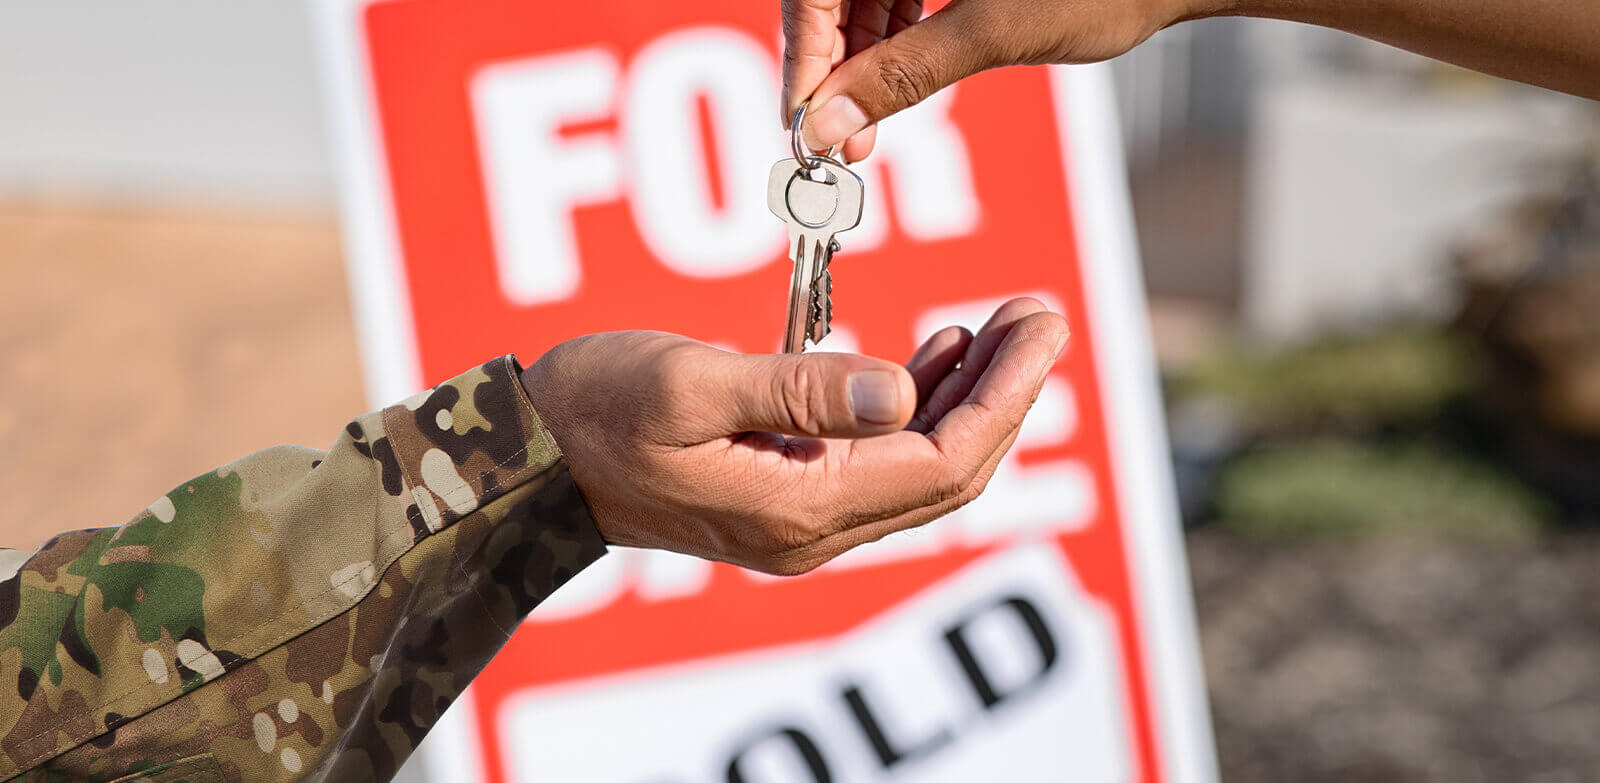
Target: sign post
{"type": "Point", "coordinates": [518, 174]}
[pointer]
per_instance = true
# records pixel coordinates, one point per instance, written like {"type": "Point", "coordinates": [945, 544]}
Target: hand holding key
{"type": "Point", "coordinates": [860, 62]}
{"type": "Point", "coordinates": [783, 462]}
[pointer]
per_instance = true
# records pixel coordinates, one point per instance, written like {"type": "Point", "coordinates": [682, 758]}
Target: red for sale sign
{"type": "Point", "coordinates": [517, 174]}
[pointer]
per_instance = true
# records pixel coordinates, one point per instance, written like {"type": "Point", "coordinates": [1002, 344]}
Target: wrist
{"type": "Point", "coordinates": [1191, 10]}
{"type": "Point", "coordinates": [534, 385]}
{"type": "Point", "coordinates": [1176, 12]}
{"type": "Point", "coordinates": [1291, 10]}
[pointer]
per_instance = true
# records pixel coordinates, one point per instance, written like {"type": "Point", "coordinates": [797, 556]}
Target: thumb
{"type": "Point", "coordinates": [833, 395]}
{"type": "Point", "coordinates": [900, 71]}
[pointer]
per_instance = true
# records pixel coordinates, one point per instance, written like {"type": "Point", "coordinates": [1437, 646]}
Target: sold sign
{"type": "Point", "coordinates": [518, 174]}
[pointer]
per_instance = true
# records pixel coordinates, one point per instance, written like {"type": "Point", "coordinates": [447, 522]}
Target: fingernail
{"type": "Point", "coordinates": [1061, 345]}
{"type": "Point", "coordinates": [875, 397]}
{"type": "Point", "coordinates": [837, 120]}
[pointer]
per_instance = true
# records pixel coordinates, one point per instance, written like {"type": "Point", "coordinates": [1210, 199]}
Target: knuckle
{"type": "Point", "coordinates": [967, 475]}
{"type": "Point", "coordinates": [675, 375]}
{"type": "Point", "coordinates": [792, 563]}
{"type": "Point", "coordinates": [847, 516]}
{"type": "Point", "coordinates": [666, 391]}
{"type": "Point", "coordinates": [948, 485]}
{"type": "Point", "coordinates": [786, 567]}
{"type": "Point", "coordinates": [664, 386]}
{"type": "Point", "coordinates": [1041, 326]}
{"type": "Point", "coordinates": [906, 79]}
{"type": "Point", "coordinates": [1001, 39]}
{"type": "Point", "coordinates": [791, 537]}
{"type": "Point", "coordinates": [789, 545]}
{"type": "Point", "coordinates": [775, 533]}
{"type": "Point", "coordinates": [1012, 407]}
{"type": "Point", "coordinates": [801, 393]}
{"type": "Point", "coordinates": [977, 488]}
{"type": "Point", "coordinates": [984, 477]}
{"type": "Point", "coordinates": [675, 367]}
{"type": "Point", "coordinates": [959, 490]}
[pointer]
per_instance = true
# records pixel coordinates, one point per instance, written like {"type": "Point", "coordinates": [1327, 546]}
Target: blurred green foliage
{"type": "Point", "coordinates": [1343, 488]}
{"type": "Point", "coordinates": [1399, 375]}
{"type": "Point", "coordinates": [1351, 436]}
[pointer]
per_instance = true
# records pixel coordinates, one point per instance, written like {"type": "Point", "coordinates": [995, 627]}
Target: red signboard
{"type": "Point", "coordinates": [519, 174]}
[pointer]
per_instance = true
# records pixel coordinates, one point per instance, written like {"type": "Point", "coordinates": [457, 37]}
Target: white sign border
{"type": "Point", "coordinates": [379, 295]}
{"type": "Point", "coordinates": [1091, 149]}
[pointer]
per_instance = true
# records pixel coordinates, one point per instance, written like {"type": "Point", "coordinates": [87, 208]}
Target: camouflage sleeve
{"type": "Point", "coordinates": [298, 614]}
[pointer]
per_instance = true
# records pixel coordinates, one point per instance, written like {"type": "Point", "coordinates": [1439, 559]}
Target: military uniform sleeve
{"type": "Point", "coordinates": [298, 614]}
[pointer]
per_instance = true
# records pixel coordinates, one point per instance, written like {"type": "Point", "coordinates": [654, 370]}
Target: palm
{"type": "Point", "coordinates": [809, 472]}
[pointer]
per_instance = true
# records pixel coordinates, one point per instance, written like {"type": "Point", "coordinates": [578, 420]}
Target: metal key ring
{"type": "Point", "coordinates": [797, 145]}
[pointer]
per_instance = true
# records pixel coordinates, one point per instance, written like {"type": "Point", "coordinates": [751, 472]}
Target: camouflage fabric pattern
{"type": "Point", "coordinates": [295, 615]}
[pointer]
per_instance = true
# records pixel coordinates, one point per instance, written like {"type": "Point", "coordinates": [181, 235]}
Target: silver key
{"type": "Point", "coordinates": [822, 298]}
{"type": "Point", "coordinates": [816, 203]}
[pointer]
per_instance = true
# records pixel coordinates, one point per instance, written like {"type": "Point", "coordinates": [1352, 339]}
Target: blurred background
{"type": "Point", "coordinates": [1373, 285]}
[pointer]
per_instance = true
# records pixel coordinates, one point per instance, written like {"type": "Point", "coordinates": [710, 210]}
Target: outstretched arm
{"type": "Point", "coordinates": [860, 61]}
{"type": "Point", "coordinates": [310, 614]}
{"type": "Point", "coordinates": [1550, 43]}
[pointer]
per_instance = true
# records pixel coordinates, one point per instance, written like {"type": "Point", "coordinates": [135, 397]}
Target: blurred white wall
{"type": "Point", "coordinates": [1359, 186]}
{"type": "Point", "coordinates": [180, 102]}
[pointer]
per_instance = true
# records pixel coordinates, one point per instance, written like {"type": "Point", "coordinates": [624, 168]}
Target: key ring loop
{"type": "Point", "coordinates": [797, 145]}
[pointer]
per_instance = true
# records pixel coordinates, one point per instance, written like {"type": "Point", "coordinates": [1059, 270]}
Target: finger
{"type": "Point", "coordinates": [900, 71]}
{"type": "Point", "coordinates": [971, 431]}
{"type": "Point", "coordinates": [957, 385]}
{"type": "Point", "coordinates": [937, 356]}
{"type": "Point", "coordinates": [904, 14]}
{"type": "Point", "coordinates": [860, 145]}
{"type": "Point", "coordinates": [892, 475]}
{"type": "Point", "coordinates": [812, 44]}
{"type": "Point", "coordinates": [870, 21]}
{"type": "Point", "coordinates": [999, 326]}
{"type": "Point", "coordinates": [832, 395]}
{"type": "Point", "coordinates": [865, 25]}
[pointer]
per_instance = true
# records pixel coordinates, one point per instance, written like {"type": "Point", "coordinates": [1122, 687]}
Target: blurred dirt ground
{"type": "Point", "coordinates": [140, 349]}
{"type": "Point", "coordinates": [1401, 659]}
